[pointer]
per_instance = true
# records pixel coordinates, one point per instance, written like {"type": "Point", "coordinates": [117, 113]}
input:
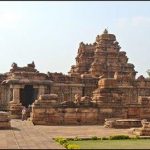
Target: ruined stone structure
{"type": "Point", "coordinates": [122, 123]}
{"type": "Point", "coordinates": [5, 120]}
{"type": "Point", "coordinates": [143, 131]}
{"type": "Point", "coordinates": [101, 85]}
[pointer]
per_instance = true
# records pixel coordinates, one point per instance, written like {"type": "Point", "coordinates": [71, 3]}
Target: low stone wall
{"type": "Point", "coordinates": [68, 116]}
{"type": "Point", "coordinates": [144, 131]}
{"type": "Point", "coordinates": [4, 120]}
{"type": "Point", "coordinates": [15, 110]}
{"type": "Point", "coordinates": [46, 111]}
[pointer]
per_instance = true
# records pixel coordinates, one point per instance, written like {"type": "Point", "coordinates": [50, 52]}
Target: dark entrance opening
{"type": "Point", "coordinates": [27, 95]}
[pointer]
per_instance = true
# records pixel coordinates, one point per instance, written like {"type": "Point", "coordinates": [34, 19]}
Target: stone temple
{"type": "Point", "coordinates": [102, 84]}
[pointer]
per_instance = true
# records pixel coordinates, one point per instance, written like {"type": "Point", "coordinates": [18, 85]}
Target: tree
{"type": "Point", "coordinates": [148, 72]}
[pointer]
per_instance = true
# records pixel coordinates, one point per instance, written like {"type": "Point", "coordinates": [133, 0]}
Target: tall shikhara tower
{"type": "Point", "coordinates": [102, 58]}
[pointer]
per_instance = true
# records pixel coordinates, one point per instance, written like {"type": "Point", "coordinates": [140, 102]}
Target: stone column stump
{"type": "Point", "coordinates": [15, 110]}
{"type": "Point", "coordinates": [4, 120]}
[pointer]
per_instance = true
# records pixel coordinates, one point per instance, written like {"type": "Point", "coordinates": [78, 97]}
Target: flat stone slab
{"type": "Point", "coordinates": [122, 123]}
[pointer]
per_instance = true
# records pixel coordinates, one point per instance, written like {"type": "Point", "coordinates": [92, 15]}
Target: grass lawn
{"type": "Point", "coordinates": [113, 144]}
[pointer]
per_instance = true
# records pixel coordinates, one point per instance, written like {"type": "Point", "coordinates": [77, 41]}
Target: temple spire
{"type": "Point", "coordinates": [105, 31]}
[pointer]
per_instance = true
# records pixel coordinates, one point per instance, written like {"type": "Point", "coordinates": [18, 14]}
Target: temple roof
{"type": "Point", "coordinates": [105, 31]}
{"type": "Point", "coordinates": [27, 81]}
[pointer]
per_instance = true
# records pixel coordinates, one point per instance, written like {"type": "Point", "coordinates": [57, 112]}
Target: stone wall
{"type": "Point", "coordinates": [65, 116]}
{"type": "Point", "coordinates": [47, 110]}
{"type": "Point", "coordinates": [5, 120]}
{"type": "Point", "coordinates": [66, 92]}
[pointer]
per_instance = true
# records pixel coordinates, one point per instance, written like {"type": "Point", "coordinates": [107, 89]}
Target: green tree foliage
{"type": "Point", "coordinates": [148, 72]}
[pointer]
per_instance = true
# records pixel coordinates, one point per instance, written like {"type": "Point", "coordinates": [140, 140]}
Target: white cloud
{"type": "Point", "coordinates": [9, 19]}
{"type": "Point", "coordinates": [137, 21]}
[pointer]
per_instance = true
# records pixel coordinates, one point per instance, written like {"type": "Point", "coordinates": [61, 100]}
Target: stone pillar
{"type": "Point", "coordinates": [15, 105]}
{"type": "Point", "coordinates": [16, 95]}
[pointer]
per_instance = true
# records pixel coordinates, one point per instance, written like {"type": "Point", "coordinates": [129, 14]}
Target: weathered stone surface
{"type": "Point", "coordinates": [144, 131]}
{"type": "Point", "coordinates": [48, 96]}
{"type": "Point", "coordinates": [100, 85]}
{"type": "Point", "coordinates": [15, 110]}
{"type": "Point", "coordinates": [50, 115]}
{"type": "Point", "coordinates": [122, 123]}
{"type": "Point", "coordinates": [4, 120]}
{"type": "Point", "coordinates": [144, 100]}
{"type": "Point", "coordinates": [107, 82]}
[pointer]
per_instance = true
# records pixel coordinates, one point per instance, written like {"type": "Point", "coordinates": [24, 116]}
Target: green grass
{"type": "Point", "coordinates": [113, 144]}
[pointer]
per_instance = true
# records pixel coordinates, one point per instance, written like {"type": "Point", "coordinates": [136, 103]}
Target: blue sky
{"type": "Point", "coordinates": [50, 32]}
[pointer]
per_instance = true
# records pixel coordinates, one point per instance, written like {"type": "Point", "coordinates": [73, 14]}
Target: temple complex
{"type": "Point", "coordinates": [102, 84]}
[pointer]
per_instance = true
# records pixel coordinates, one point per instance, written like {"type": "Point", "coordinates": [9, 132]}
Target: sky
{"type": "Point", "coordinates": [49, 32]}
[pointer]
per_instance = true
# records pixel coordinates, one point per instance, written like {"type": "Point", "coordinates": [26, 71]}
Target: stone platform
{"type": "Point", "coordinates": [122, 123]}
{"type": "Point", "coordinates": [144, 131]}
{"type": "Point", "coordinates": [4, 120]}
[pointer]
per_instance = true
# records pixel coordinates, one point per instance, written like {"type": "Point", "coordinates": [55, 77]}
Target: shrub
{"type": "Point", "coordinates": [119, 137]}
{"type": "Point", "coordinates": [77, 139]}
{"type": "Point", "coordinates": [58, 138]}
{"type": "Point", "coordinates": [66, 144]}
{"type": "Point", "coordinates": [61, 140]}
{"type": "Point", "coordinates": [104, 138]}
{"type": "Point", "coordinates": [73, 146]}
{"type": "Point", "coordinates": [137, 137]}
{"type": "Point", "coordinates": [70, 139]}
{"type": "Point", "coordinates": [94, 138]}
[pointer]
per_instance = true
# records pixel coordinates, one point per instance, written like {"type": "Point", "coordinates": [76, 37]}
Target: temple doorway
{"type": "Point", "coordinates": [27, 95]}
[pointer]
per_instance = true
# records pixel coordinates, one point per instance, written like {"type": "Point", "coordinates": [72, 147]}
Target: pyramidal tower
{"type": "Point", "coordinates": [102, 58]}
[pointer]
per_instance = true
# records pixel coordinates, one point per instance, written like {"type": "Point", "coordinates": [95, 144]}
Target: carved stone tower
{"type": "Point", "coordinates": [102, 58]}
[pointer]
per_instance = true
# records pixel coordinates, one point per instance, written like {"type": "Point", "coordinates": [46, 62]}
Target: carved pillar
{"type": "Point", "coordinates": [16, 95]}
{"type": "Point", "coordinates": [15, 105]}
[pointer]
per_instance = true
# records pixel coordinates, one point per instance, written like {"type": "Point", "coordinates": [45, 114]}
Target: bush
{"type": "Point", "coordinates": [104, 138]}
{"type": "Point", "coordinates": [94, 138]}
{"type": "Point", "coordinates": [73, 146]}
{"type": "Point", "coordinates": [66, 144]}
{"type": "Point", "coordinates": [137, 137]}
{"type": "Point", "coordinates": [61, 140]}
{"type": "Point", "coordinates": [77, 139]}
{"type": "Point", "coordinates": [70, 139]}
{"type": "Point", "coordinates": [58, 138]}
{"type": "Point", "coordinates": [119, 137]}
